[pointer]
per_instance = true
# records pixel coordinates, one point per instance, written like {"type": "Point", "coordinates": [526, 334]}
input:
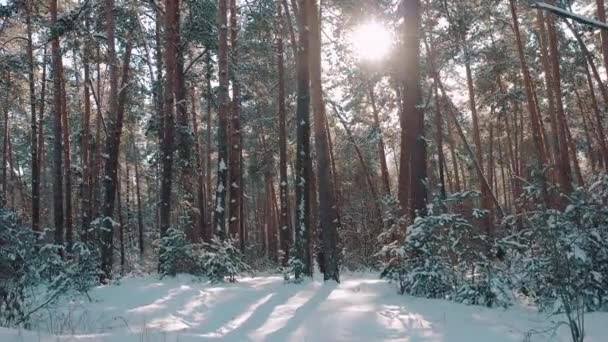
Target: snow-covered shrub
{"type": "Point", "coordinates": [217, 260]}
{"type": "Point", "coordinates": [294, 266]}
{"type": "Point", "coordinates": [421, 265]}
{"type": "Point", "coordinates": [223, 260]}
{"type": "Point", "coordinates": [489, 286]}
{"type": "Point", "coordinates": [178, 255]}
{"type": "Point", "coordinates": [564, 265]}
{"type": "Point", "coordinates": [443, 256]}
{"type": "Point", "coordinates": [33, 275]}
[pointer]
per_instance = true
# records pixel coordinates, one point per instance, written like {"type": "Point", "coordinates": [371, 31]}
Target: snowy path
{"type": "Point", "coordinates": [361, 308]}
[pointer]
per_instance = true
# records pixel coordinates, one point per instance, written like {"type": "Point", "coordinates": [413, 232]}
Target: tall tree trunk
{"type": "Point", "coordinates": [223, 111]}
{"type": "Point", "coordinates": [303, 161]}
{"type": "Point", "coordinates": [404, 186]}
{"type": "Point", "coordinates": [598, 119]}
{"type": "Point", "coordinates": [86, 172]}
{"type": "Point", "coordinates": [168, 134]}
{"type": "Point", "coordinates": [485, 187]}
{"type": "Point", "coordinates": [439, 141]}
{"type": "Point", "coordinates": [381, 152]}
{"type": "Point", "coordinates": [452, 114]}
{"type": "Point", "coordinates": [121, 222]}
{"type": "Point", "coordinates": [41, 150]}
{"type": "Point", "coordinates": [540, 22]}
{"type": "Point", "coordinates": [454, 157]}
{"type": "Point", "coordinates": [285, 233]}
{"type": "Point", "coordinates": [34, 124]}
{"type": "Point", "coordinates": [57, 132]}
{"type": "Point", "coordinates": [209, 229]}
{"type": "Point", "coordinates": [112, 148]}
{"type": "Point", "coordinates": [69, 226]}
{"type": "Point", "coordinates": [328, 217]}
{"type": "Point", "coordinates": [368, 175]}
{"type": "Point", "coordinates": [234, 169]}
{"type": "Point", "coordinates": [601, 16]}
{"type": "Point", "coordinates": [412, 108]}
{"type": "Point", "coordinates": [140, 221]}
{"type": "Point", "coordinates": [185, 145]}
{"type": "Point", "coordinates": [159, 92]}
{"type": "Point", "coordinates": [4, 195]}
{"type": "Point", "coordinates": [537, 133]}
{"type": "Point", "coordinates": [564, 170]}
{"type": "Point", "coordinates": [199, 223]}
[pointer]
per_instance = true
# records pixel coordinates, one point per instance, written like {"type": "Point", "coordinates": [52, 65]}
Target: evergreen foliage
{"type": "Point", "coordinates": [442, 257]}
{"type": "Point", "coordinates": [217, 260]}
{"type": "Point", "coordinates": [33, 275]}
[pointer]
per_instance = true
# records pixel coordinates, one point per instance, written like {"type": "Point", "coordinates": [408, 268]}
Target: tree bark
{"type": "Point", "coordinates": [303, 161]}
{"type": "Point", "coordinates": [381, 151]}
{"type": "Point", "coordinates": [235, 168]}
{"type": "Point", "coordinates": [601, 16]}
{"type": "Point", "coordinates": [112, 148]}
{"type": "Point", "coordinates": [168, 134]}
{"type": "Point", "coordinates": [564, 170]}
{"type": "Point", "coordinates": [540, 22]}
{"type": "Point", "coordinates": [285, 232]}
{"type": "Point", "coordinates": [34, 124]}
{"type": "Point", "coordinates": [140, 221]}
{"type": "Point", "coordinates": [86, 172]}
{"type": "Point", "coordinates": [57, 133]}
{"type": "Point", "coordinates": [223, 110]}
{"type": "Point", "coordinates": [69, 227]}
{"type": "Point", "coordinates": [328, 217]}
{"type": "Point", "coordinates": [208, 229]}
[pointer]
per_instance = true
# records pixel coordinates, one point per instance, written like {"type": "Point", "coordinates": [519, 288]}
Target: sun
{"type": "Point", "coordinates": [371, 41]}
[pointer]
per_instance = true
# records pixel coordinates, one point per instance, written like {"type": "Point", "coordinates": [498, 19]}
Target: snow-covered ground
{"type": "Point", "coordinates": [360, 308]}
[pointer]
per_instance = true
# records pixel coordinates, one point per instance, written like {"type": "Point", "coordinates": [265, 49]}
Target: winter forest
{"type": "Point", "coordinates": [303, 170]}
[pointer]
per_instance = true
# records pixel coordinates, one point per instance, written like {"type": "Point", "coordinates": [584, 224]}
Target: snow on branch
{"type": "Point", "coordinates": [567, 14]}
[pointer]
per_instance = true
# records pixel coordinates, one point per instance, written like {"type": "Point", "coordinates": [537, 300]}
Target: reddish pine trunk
{"type": "Point", "coordinates": [168, 133]}
{"type": "Point", "coordinates": [601, 16]}
{"type": "Point", "coordinates": [564, 170]}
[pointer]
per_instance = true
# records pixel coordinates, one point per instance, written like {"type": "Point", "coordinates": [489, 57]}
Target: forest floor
{"type": "Point", "coordinates": [360, 308]}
